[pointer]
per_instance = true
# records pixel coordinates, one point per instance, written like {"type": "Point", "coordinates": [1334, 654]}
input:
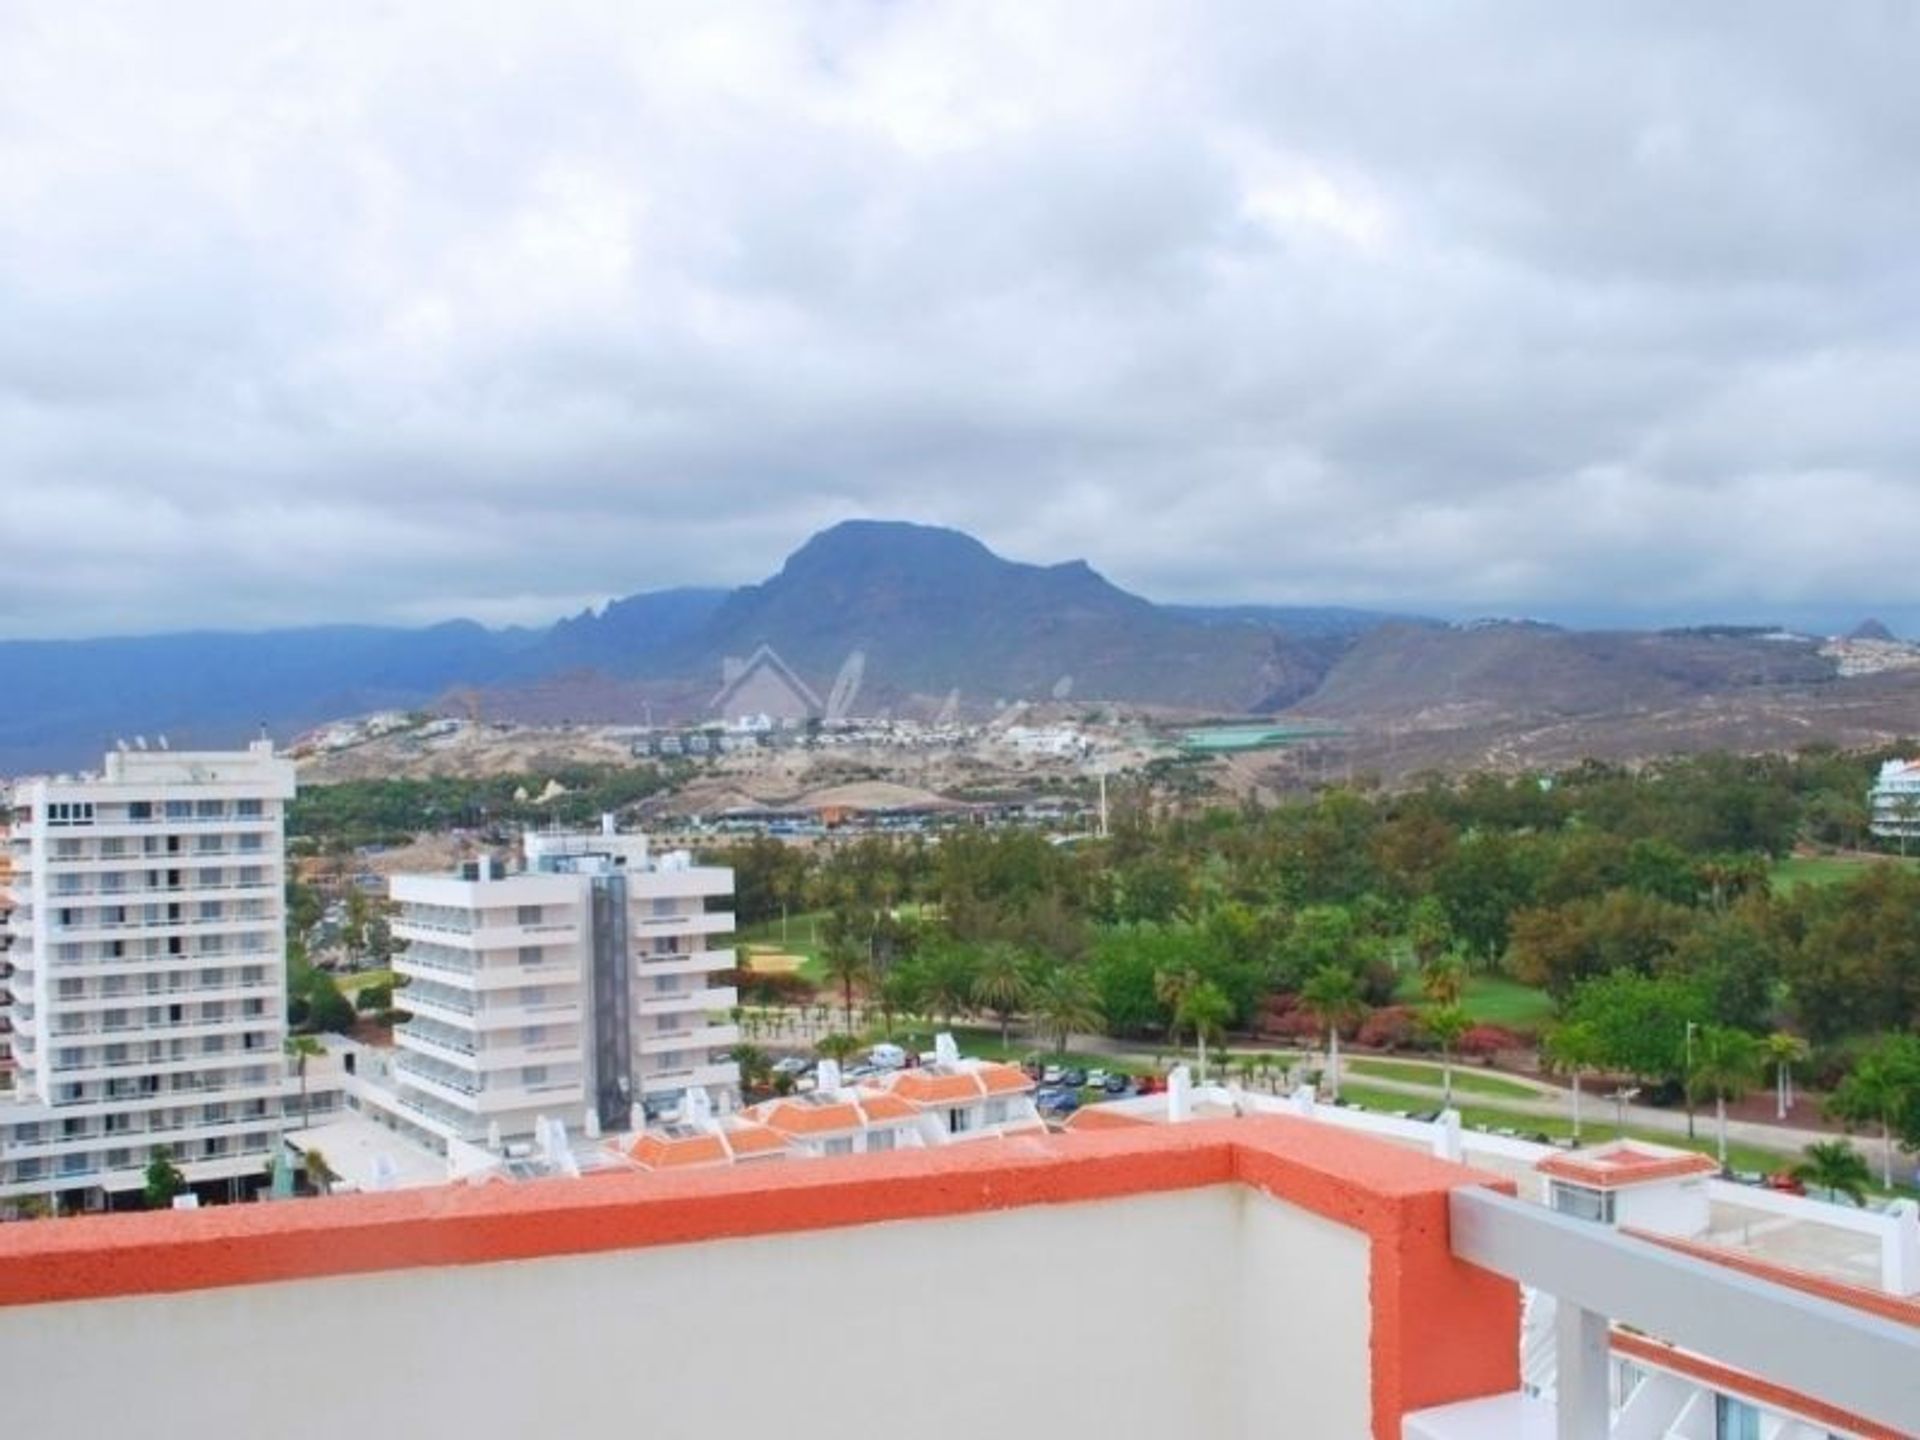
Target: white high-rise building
{"type": "Point", "coordinates": [148, 984]}
{"type": "Point", "coordinates": [584, 983]}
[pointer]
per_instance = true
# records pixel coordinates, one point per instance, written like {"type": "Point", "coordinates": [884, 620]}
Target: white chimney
{"type": "Point", "coordinates": [1179, 1095]}
{"type": "Point", "coordinates": [826, 1079]}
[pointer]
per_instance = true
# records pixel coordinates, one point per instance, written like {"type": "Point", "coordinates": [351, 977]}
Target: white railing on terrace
{"type": "Point", "coordinates": [1598, 1277]}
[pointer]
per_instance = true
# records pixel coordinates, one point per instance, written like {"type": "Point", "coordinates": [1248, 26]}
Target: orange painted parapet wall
{"type": "Point", "coordinates": [1442, 1330]}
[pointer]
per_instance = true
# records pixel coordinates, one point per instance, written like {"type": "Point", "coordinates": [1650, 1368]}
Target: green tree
{"type": "Point", "coordinates": [837, 1047]}
{"type": "Point", "coordinates": [902, 990]}
{"type": "Point", "coordinates": [848, 965]}
{"type": "Point", "coordinates": [1574, 1048]}
{"type": "Point", "coordinates": [1639, 1022]}
{"type": "Point", "coordinates": [1000, 984]}
{"type": "Point", "coordinates": [947, 979]}
{"type": "Point", "coordinates": [1883, 1089]}
{"type": "Point", "coordinates": [1446, 1025]}
{"type": "Point", "coordinates": [1066, 1004]}
{"type": "Point", "coordinates": [300, 1049]}
{"type": "Point", "coordinates": [1443, 979]}
{"type": "Point", "coordinates": [1835, 1168]}
{"type": "Point", "coordinates": [1203, 1010]}
{"type": "Point", "coordinates": [1332, 997]}
{"type": "Point", "coordinates": [756, 1070]}
{"type": "Point", "coordinates": [320, 1175]}
{"type": "Point", "coordinates": [163, 1179]}
{"type": "Point", "coordinates": [1726, 1063]}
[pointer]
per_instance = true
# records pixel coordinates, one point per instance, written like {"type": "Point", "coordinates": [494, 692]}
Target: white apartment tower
{"type": "Point", "coordinates": [148, 972]}
{"type": "Point", "coordinates": [583, 984]}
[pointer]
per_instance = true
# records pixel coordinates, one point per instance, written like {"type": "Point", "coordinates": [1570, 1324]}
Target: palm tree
{"type": "Point", "coordinates": [1575, 1048]}
{"type": "Point", "coordinates": [847, 965]}
{"type": "Point", "coordinates": [1000, 984]}
{"type": "Point", "coordinates": [1446, 1025]}
{"type": "Point", "coordinates": [1784, 1051]}
{"type": "Point", "coordinates": [1726, 1062]}
{"type": "Point", "coordinates": [1065, 1004]}
{"type": "Point", "coordinates": [901, 991]}
{"type": "Point", "coordinates": [1332, 996]}
{"type": "Point", "coordinates": [1837, 1168]}
{"type": "Point", "coordinates": [300, 1049]}
{"type": "Point", "coordinates": [1170, 988]}
{"type": "Point", "coordinates": [947, 980]}
{"type": "Point", "coordinates": [1204, 1009]}
{"type": "Point", "coordinates": [1882, 1085]}
{"type": "Point", "coordinates": [753, 1063]}
{"type": "Point", "coordinates": [837, 1047]}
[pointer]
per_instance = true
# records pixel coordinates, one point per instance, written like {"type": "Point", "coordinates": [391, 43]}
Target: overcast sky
{"type": "Point", "coordinates": [406, 311]}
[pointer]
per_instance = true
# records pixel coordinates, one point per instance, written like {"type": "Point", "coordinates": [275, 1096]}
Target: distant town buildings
{"type": "Point", "coordinates": [144, 977]}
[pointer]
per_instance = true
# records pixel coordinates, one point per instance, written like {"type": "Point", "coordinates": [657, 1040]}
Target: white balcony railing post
{"type": "Point", "coordinates": [1581, 1351]}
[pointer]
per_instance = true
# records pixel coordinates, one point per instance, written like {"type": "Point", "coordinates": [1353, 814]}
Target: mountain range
{"type": "Point", "coordinates": [930, 613]}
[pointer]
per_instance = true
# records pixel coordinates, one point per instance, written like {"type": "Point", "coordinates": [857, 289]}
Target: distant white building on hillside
{"type": "Point", "coordinates": [1894, 801]}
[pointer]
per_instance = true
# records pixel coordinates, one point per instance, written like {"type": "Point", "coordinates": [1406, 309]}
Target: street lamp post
{"type": "Point", "coordinates": [1688, 1080]}
{"type": "Point", "coordinates": [1620, 1099]}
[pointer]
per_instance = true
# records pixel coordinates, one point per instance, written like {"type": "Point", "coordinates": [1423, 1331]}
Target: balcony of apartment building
{"type": "Point", "coordinates": [1292, 1282]}
{"type": "Point", "coordinates": [644, 924]}
{"type": "Point", "coordinates": [706, 1000]}
{"type": "Point", "coordinates": [673, 1074]}
{"type": "Point", "coordinates": [1247, 1278]}
{"type": "Point", "coordinates": [675, 960]}
{"type": "Point", "coordinates": [475, 970]}
{"type": "Point", "coordinates": [670, 1039]}
{"type": "Point", "coordinates": [483, 1092]}
{"type": "Point", "coordinates": [485, 930]}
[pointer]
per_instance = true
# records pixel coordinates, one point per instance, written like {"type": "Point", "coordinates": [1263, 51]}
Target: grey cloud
{"type": "Point", "coordinates": [365, 312]}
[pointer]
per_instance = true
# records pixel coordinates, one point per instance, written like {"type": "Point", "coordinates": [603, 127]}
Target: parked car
{"type": "Point", "coordinates": [1075, 1077]}
{"type": "Point", "coordinates": [1056, 1102]}
{"type": "Point", "coordinates": [792, 1065]}
{"type": "Point", "coordinates": [1052, 1075]}
{"type": "Point", "coordinates": [1117, 1084]}
{"type": "Point", "coordinates": [1786, 1180]}
{"type": "Point", "coordinates": [1097, 1079]}
{"type": "Point", "coordinates": [887, 1057]}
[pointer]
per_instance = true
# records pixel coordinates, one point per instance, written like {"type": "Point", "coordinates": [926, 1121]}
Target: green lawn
{"type": "Point", "coordinates": [1491, 1000]}
{"type": "Point", "coordinates": [1797, 870]}
{"type": "Point", "coordinates": [1465, 1081]}
{"type": "Point", "coordinates": [801, 937]}
{"type": "Point", "coordinates": [352, 984]}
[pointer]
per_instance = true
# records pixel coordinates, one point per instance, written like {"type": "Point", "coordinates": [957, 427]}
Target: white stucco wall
{"type": "Point", "coordinates": [1667, 1207]}
{"type": "Point", "coordinates": [1212, 1312]}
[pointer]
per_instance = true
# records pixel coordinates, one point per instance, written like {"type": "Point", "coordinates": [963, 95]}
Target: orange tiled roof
{"type": "Point", "coordinates": [940, 1085]}
{"type": "Point", "coordinates": [882, 1105]}
{"type": "Point", "coordinates": [928, 1086]}
{"type": "Point", "coordinates": [748, 1141]}
{"type": "Point", "coordinates": [1005, 1079]}
{"type": "Point", "coordinates": [658, 1150]}
{"type": "Point", "coordinates": [1612, 1166]}
{"type": "Point", "coordinates": [795, 1116]}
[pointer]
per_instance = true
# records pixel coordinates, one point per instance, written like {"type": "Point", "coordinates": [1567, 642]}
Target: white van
{"type": "Point", "coordinates": [887, 1057]}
